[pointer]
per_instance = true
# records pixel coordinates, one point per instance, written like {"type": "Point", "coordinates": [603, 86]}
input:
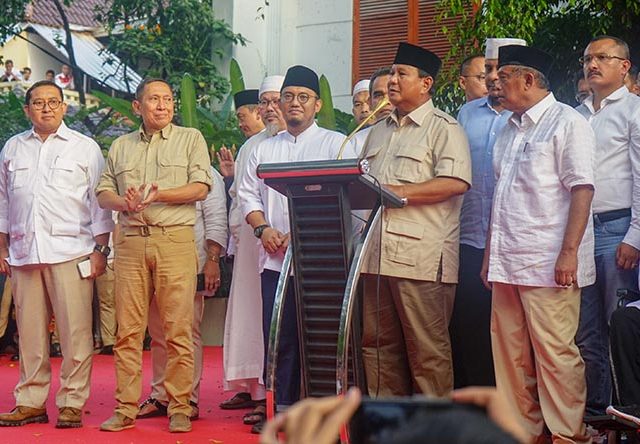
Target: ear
{"type": "Point", "coordinates": [25, 108]}
{"type": "Point", "coordinates": [626, 66]}
{"type": "Point", "coordinates": [135, 105]}
{"type": "Point", "coordinates": [462, 82]}
{"type": "Point", "coordinates": [427, 84]}
{"type": "Point", "coordinates": [318, 106]}
{"type": "Point", "coordinates": [529, 80]}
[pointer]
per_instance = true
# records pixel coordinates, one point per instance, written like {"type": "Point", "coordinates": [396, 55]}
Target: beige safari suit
{"type": "Point", "coordinates": [155, 256]}
{"type": "Point", "coordinates": [419, 256]}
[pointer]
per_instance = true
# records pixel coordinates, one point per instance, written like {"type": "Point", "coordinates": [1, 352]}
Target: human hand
{"type": "Point", "coordinates": [286, 239]}
{"type": "Point", "coordinates": [484, 272]}
{"type": "Point", "coordinates": [627, 256]}
{"type": "Point", "coordinates": [136, 199]}
{"type": "Point", "coordinates": [226, 162]}
{"type": "Point", "coordinates": [566, 269]}
{"type": "Point", "coordinates": [312, 420]}
{"type": "Point", "coordinates": [5, 268]}
{"type": "Point", "coordinates": [496, 406]}
{"type": "Point", "coordinates": [211, 273]}
{"type": "Point", "coordinates": [271, 240]}
{"type": "Point", "coordinates": [98, 263]}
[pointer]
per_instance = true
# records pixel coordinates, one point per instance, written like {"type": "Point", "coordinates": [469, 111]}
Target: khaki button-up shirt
{"type": "Point", "coordinates": [172, 157]}
{"type": "Point", "coordinates": [425, 144]}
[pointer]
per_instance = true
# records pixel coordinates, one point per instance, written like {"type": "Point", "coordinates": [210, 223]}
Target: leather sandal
{"type": "Point", "coordinates": [240, 400]}
{"type": "Point", "coordinates": [257, 415]}
{"type": "Point", "coordinates": [153, 407]}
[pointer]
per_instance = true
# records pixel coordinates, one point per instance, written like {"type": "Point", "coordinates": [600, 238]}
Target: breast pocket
{"type": "Point", "coordinates": [172, 170]}
{"type": "Point", "coordinates": [411, 166]}
{"type": "Point", "coordinates": [536, 165]}
{"type": "Point", "coordinates": [127, 175]}
{"type": "Point", "coordinates": [67, 174]}
{"type": "Point", "coordinates": [18, 173]}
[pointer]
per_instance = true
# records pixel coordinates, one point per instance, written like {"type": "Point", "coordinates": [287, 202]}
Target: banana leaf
{"type": "Point", "coordinates": [235, 76]}
{"type": "Point", "coordinates": [120, 106]}
{"type": "Point", "coordinates": [326, 116]}
{"type": "Point", "coordinates": [188, 111]}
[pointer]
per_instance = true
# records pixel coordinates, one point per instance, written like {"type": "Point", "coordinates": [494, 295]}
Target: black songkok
{"type": "Point", "coordinates": [408, 54]}
{"type": "Point", "coordinates": [525, 56]}
{"type": "Point", "coordinates": [302, 76]}
{"type": "Point", "coordinates": [245, 97]}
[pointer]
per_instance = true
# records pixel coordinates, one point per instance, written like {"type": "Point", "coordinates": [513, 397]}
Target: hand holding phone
{"type": "Point", "coordinates": [84, 268]}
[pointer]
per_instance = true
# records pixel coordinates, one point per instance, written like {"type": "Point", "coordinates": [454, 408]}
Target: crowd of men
{"type": "Point", "coordinates": [521, 220]}
{"type": "Point", "coordinates": [64, 79]}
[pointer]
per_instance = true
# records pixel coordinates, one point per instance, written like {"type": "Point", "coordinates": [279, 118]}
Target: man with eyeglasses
{"type": "Point", "coordinates": [472, 77]}
{"type": "Point", "coordinates": [243, 352]}
{"type": "Point", "coordinates": [539, 249]}
{"type": "Point", "coordinates": [482, 120]}
{"type": "Point", "coordinates": [267, 211]}
{"type": "Point", "coordinates": [153, 178]}
{"type": "Point", "coordinates": [614, 114]}
{"type": "Point", "coordinates": [50, 222]}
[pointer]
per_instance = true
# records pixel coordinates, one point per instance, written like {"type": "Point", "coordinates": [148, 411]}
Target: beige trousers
{"type": "Point", "coordinates": [410, 332]}
{"type": "Point", "coordinates": [159, 351]}
{"type": "Point", "coordinates": [105, 286]}
{"type": "Point", "coordinates": [538, 365]}
{"type": "Point", "coordinates": [39, 290]}
{"type": "Point", "coordinates": [163, 263]}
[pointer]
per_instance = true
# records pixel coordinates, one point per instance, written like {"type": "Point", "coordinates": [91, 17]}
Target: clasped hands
{"type": "Point", "coordinates": [273, 240]}
{"type": "Point", "coordinates": [138, 199]}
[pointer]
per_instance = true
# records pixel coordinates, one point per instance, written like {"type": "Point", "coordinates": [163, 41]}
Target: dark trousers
{"type": "Point", "coordinates": [624, 335]}
{"type": "Point", "coordinates": [288, 365]}
{"type": "Point", "coordinates": [470, 326]}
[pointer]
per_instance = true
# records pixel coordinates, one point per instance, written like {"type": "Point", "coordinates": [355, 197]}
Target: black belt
{"type": "Point", "coordinates": [608, 216]}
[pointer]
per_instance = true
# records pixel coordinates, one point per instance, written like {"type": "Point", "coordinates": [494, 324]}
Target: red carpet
{"type": "Point", "coordinates": [215, 426]}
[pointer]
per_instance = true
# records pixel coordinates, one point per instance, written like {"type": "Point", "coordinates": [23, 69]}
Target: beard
{"type": "Point", "coordinates": [272, 128]}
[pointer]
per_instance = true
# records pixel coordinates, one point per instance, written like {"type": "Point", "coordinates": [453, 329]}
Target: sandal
{"type": "Point", "coordinates": [152, 408]}
{"type": "Point", "coordinates": [256, 429]}
{"type": "Point", "coordinates": [240, 400]}
{"type": "Point", "coordinates": [257, 415]}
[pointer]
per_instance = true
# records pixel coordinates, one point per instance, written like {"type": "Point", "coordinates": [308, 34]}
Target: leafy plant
{"type": "Point", "coordinates": [12, 117]}
{"type": "Point", "coordinates": [326, 117]}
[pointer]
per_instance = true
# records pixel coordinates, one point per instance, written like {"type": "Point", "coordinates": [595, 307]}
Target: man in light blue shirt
{"type": "Point", "coordinates": [482, 120]}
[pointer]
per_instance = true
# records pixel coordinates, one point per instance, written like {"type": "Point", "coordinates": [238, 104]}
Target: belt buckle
{"type": "Point", "coordinates": [144, 231]}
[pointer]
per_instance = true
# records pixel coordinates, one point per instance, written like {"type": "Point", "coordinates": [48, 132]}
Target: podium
{"type": "Point", "coordinates": [325, 258]}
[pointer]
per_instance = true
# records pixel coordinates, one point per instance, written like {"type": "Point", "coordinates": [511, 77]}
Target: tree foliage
{"type": "Point", "coordinates": [168, 39]}
{"type": "Point", "coordinates": [563, 28]}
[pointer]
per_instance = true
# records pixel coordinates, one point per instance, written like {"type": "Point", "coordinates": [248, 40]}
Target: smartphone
{"type": "Point", "coordinates": [375, 419]}
{"type": "Point", "coordinates": [84, 268]}
{"type": "Point", "coordinates": [200, 282]}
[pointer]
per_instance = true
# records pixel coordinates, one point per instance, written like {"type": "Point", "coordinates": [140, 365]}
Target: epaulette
{"type": "Point", "coordinates": [445, 116]}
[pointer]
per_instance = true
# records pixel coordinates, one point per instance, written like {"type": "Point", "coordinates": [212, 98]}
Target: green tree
{"type": "Point", "coordinates": [169, 39]}
{"type": "Point", "coordinates": [563, 28]}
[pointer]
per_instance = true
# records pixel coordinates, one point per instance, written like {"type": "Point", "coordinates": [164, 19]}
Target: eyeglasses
{"type": "Point", "coordinates": [39, 104]}
{"type": "Point", "coordinates": [266, 103]}
{"type": "Point", "coordinates": [480, 77]}
{"type": "Point", "coordinates": [599, 58]}
{"type": "Point", "coordinates": [302, 97]}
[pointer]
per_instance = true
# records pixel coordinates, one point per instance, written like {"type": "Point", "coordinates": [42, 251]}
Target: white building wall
{"type": "Point", "coordinates": [314, 33]}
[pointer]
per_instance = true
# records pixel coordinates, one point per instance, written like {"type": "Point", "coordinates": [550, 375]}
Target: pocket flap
{"type": "Point", "coordinates": [18, 164]}
{"type": "Point", "coordinates": [405, 227]}
{"type": "Point", "coordinates": [372, 152]}
{"type": "Point", "coordinates": [64, 164]}
{"type": "Point", "coordinates": [65, 229]}
{"type": "Point", "coordinates": [412, 152]}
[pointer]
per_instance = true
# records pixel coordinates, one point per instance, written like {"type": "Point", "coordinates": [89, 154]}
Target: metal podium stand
{"type": "Point", "coordinates": [327, 260]}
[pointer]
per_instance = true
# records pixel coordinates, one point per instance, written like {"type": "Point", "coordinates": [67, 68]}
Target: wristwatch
{"type": "Point", "coordinates": [257, 231]}
{"type": "Point", "coordinates": [103, 249]}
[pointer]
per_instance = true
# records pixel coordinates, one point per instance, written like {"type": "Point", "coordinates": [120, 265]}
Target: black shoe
{"type": "Point", "coordinates": [55, 352]}
{"type": "Point", "coordinates": [107, 350]}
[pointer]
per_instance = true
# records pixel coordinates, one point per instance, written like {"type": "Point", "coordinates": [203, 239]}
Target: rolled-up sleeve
{"type": "Point", "coordinates": [199, 169]}
{"type": "Point", "coordinates": [249, 189]}
{"type": "Point", "coordinates": [451, 153]}
{"type": "Point", "coordinates": [107, 181]}
{"type": "Point", "coordinates": [101, 220]}
{"type": "Point", "coordinates": [214, 209]}
{"type": "Point", "coordinates": [576, 154]}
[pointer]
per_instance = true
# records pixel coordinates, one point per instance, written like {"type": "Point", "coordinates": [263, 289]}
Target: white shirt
{"type": "Point", "coordinates": [360, 138]}
{"type": "Point", "coordinates": [617, 157]}
{"type": "Point", "coordinates": [314, 143]}
{"type": "Point", "coordinates": [64, 82]}
{"type": "Point", "coordinates": [47, 201]}
{"type": "Point", "coordinates": [537, 160]}
{"type": "Point", "coordinates": [236, 217]}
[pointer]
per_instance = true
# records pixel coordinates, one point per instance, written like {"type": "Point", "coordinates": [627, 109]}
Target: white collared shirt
{"type": "Point", "coordinates": [211, 219]}
{"type": "Point", "coordinates": [617, 157]}
{"type": "Point", "coordinates": [538, 159]}
{"type": "Point", "coordinates": [314, 143]}
{"type": "Point", "coordinates": [47, 203]}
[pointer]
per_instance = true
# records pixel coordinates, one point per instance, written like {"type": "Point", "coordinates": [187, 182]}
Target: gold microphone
{"type": "Point", "coordinates": [384, 102]}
